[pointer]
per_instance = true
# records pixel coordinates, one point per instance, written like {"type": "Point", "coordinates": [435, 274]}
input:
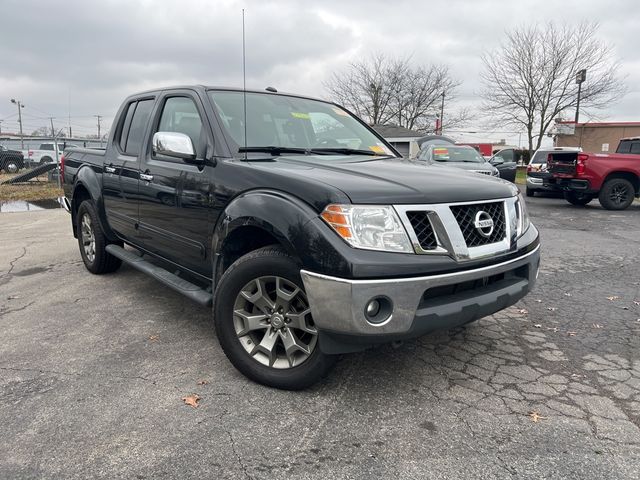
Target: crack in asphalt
{"type": "Point", "coordinates": [237, 455]}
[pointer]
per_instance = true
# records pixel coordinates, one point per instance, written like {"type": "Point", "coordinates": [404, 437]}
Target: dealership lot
{"type": "Point", "coordinates": [91, 383]}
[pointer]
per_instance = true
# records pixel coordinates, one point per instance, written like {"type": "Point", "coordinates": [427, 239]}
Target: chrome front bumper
{"type": "Point", "coordinates": [338, 305]}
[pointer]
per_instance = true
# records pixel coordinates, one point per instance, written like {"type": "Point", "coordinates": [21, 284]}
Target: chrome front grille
{"type": "Point", "coordinates": [423, 229]}
{"type": "Point", "coordinates": [466, 214]}
{"type": "Point", "coordinates": [461, 230]}
{"type": "Point", "coordinates": [484, 172]}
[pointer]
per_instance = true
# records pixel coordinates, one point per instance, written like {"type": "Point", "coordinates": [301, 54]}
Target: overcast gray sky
{"type": "Point", "coordinates": [84, 57]}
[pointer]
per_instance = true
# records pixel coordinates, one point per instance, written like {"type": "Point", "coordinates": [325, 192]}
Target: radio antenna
{"type": "Point", "coordinates": [244, 86]}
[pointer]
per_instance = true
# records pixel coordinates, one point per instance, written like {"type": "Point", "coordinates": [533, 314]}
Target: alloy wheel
{"type": "Point", "coordinates": [272, 320]}
{"type": "Point", "coordinates": [88, 238]}
{"type": "Point", "coordinates": [619, 194]}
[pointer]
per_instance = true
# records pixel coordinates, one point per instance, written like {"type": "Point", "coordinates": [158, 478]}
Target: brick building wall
{"type": "Point", "coordinates": [594, 137]}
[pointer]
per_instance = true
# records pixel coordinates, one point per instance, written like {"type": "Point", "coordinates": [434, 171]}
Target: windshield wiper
{"type": "Point", "coordinates": [275, 150]}
{"type": "Point", "coordinates": [348, 151]}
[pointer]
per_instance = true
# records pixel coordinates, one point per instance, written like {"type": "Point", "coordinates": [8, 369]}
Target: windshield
{"type": "Point", "coordinates": [456, 154]}
{"type": "Point", "coordinates": [540, 156]}
{"type": "Point", "coordinates": [293, 123]}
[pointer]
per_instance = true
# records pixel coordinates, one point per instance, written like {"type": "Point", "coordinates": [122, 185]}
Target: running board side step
{"type": "Point", "coordinates": [188, 289]}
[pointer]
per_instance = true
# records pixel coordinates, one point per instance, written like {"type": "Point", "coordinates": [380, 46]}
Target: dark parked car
{"type": "Point", "coordinates": [506, 161]}
{"type": "Point", "coordinates": [304, 228]}
{"type": "Point", "coordinates": [11, 161]}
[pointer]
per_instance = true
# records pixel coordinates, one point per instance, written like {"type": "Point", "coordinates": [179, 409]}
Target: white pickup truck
{"type": "Point", "coordinates": [46, 153]}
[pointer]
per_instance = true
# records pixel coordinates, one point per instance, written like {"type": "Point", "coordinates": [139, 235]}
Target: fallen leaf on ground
{"type": "Point", "coordinates": [537, 325]}
{"type": "Point", "coordinates": [552, 309]}
{"type": "Point", "coordinates": [154, 338]}
{"type": "Point", "coordinates": [538, 301]}
{"type": "Point", "coordinates": [613, 297]}
{"type": "Point", "coordinates": [191, 400]}
{"type": "Point", "coordinates": [202, 382]}
{"type": "Point", "coordinates": [572, 334]}
{"type": "Point", "coordinates": [567, 294]}
{"type": "Point", "coordinates": [636, 302]}
{"type": "Point", "coordinates": [625, 308]}
{"type": "Point", "coordinates": [523, 311]}
{"type": "Point", "coordinates": [597, 325]}
{"type": "Point", "coordinates": [555, 329]}
{"type": "Point", "coordinates": [535, 416]}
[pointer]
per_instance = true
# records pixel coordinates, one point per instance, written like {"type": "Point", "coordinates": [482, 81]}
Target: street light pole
{"type": "Point", "coordinates": [581, 76]}
{"type": "Point", "coordinates": [20, 107]}
{"type": "Point", "coordinates": [441, 113]}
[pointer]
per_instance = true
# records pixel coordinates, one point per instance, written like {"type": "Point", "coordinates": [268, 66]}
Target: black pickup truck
{"type": "Point", "coordinates": [11, 161]}
{"type": "Point", "coordinates": [306, 231]}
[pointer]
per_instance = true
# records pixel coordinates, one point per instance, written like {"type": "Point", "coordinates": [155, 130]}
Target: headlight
{"type": "Point", "coordinates": [523, 215]}
{"type": "Point", "coordinates": [373, 227]}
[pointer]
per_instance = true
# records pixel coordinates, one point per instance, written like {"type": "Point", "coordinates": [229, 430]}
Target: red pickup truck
{"type": "Point", "coordinates": [613, 178]}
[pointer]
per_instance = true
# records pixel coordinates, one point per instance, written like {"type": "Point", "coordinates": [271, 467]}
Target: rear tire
{"type": "Point", "coordinates": [531, 192]}
{"type": "Point", "coordinates": [254, 322]}
{"type": "Point", "coordinates": [93, 242]}
{"type": "Point", "coordinates": [617, 194]}
{"type": "Point", "coordinates": [577, 199]}
{"type": "Point", "coordinates": [46, 160]}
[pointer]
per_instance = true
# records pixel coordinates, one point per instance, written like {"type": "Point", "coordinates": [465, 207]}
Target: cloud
{"type": "Point", "coordinates": [89, 55]}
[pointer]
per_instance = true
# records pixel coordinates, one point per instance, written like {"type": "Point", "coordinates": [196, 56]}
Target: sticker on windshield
{"type": "Point", "coordinates": [378, 149]}
{"type": "Point", "coordinates": [441, 152]}
{"type": "Point", "coordinates": [300, 115]}
{"type": "Point", "coordinates": [339, 111]}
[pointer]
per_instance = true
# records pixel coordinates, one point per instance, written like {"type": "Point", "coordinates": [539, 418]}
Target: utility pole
{"type": "Point", "coordinates": [1, 126]}
{"type": "Point", "coordinates": [20, 107]}
{"type": "Point", "coordinates": [53, 131]}
{"type": "Point", "coordinates": [99, 117]}
{"type": "Point", "coordinates": [441, 113]}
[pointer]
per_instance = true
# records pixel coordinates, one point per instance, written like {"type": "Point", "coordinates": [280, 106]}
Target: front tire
{"type": "Point", "coordinates": [11, 167]}
{"type": "Point", "coordinates": [93, 242]}
{"type": "Point", "coordinates": [263, 322]}
{"type": "Point", "coordinates": [531, 192]}
{"type": "Point", "coordinates": [617, 194]}
{"type": "Point", "coordinates": [577, 199]}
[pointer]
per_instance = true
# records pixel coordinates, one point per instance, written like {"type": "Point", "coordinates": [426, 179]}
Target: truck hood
{"type": "Point", "coordinates": [387, 181]}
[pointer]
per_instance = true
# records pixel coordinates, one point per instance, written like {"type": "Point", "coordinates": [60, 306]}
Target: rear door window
{"type": "Point", "coordinates": [124, 132]}
{"type": "Point", "coordinates": [138, 125]}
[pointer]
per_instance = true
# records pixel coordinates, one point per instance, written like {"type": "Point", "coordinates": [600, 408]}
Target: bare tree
{"type": "Point", "coordinates": [530, 80]}
{"type": "Point", "coordinates": [385, 90]}
{"type": "Point", "coordinates": [41, 132]}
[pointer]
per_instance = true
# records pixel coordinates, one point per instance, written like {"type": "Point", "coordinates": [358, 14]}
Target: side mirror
{"type": "Point", "coordinates": [496, 160]}
{"type": "Point", "coordinates": [173, 144]}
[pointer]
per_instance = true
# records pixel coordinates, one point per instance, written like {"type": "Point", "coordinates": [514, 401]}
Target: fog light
{"type": "Point", "coordinates": [378, 310]}
{"type": "Point", "coordinates": [373, 307]}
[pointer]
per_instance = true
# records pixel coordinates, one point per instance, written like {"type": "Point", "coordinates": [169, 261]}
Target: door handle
{"type": "Point", "coordinates": [145, 177]}
{"type": "Point", "coordinates": [109, 169]}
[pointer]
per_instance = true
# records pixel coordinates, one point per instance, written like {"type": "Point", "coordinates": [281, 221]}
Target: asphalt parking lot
{"type": "Point", "coordinates": [93, 370]}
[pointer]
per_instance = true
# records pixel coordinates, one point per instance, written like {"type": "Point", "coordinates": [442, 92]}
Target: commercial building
{"type": "Point", "coordinates": [602, 137]}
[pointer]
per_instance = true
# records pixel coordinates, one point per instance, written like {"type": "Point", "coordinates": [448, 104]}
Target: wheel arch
{"type": "Point", "coordinates": [627, 175]}
{"type": "Point", "coordinates": [256, 219]}
{"type": "Point", "coordinates": [87, 186]}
